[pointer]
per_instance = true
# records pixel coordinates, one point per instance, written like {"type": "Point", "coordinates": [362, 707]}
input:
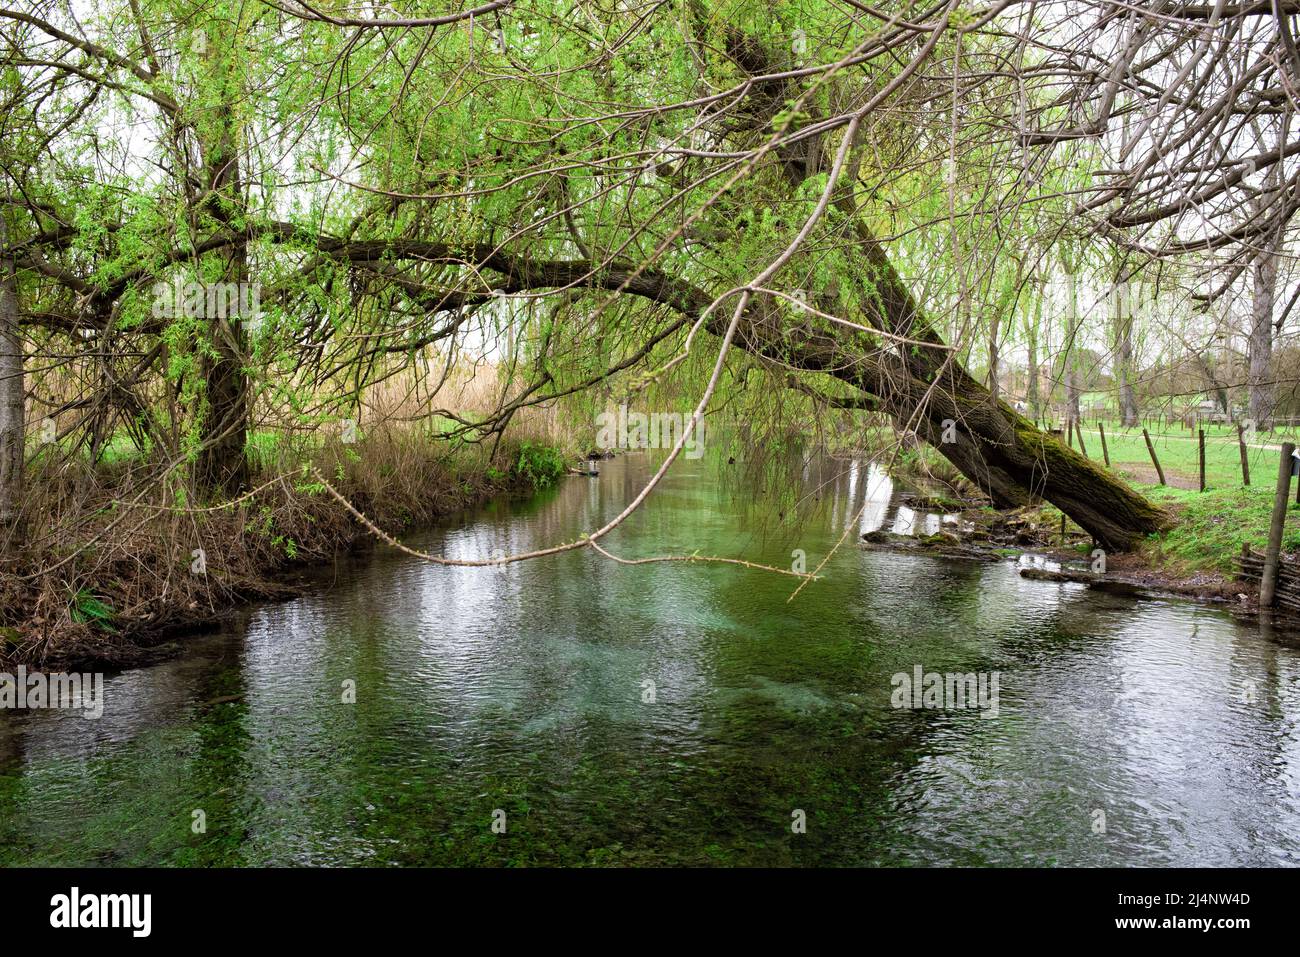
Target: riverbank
{"type": "Point", "coordinates": [124, 567]}
{"type": "Point", "coordinates": [1193, 558]}
{"type": "Point", "coordinates": [122, 571]}
{"type": "Point", "coordinates": [671, 714]}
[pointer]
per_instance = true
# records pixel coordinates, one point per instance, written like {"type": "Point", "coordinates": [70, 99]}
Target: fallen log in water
{"type": "Point", "coordinates": [1107, 583]}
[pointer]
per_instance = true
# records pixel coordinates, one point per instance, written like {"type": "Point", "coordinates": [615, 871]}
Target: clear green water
{"type": "Point", "coordinates": [521, 690]}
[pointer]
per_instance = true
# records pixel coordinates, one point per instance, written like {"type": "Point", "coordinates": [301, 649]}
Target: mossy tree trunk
{"type": "Point", "coordinates": [920, 383]}
{"type": "Point", "coordinates": [1016, 463]}
{"type": "Point", "coordinates": [222, 467]}
{"type": "Point", "coordinates": [927, 391]}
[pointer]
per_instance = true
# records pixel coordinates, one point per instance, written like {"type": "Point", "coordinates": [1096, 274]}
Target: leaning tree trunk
{"type": "Point", "coordinates": [924, 388]}
{"type": "Point", "coordinates": [1015, 463]}
{"type": "Point", "coordinates": [1005, 454]}
{"type": "Point", "coordinates": [927, 391]}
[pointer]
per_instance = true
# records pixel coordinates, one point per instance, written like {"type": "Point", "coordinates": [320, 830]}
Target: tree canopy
{"type": "Point", "coordinates": [224, 214]}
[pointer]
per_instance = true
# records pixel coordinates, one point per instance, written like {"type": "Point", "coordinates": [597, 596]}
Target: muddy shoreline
{"type": "Point", "coordinates": [986, 536]}
{"type": "Point", "coordinates": [156, 634]}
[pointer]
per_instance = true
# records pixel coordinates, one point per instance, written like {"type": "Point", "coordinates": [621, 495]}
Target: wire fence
{"type": "Point", "coordinates": [1193, 453]}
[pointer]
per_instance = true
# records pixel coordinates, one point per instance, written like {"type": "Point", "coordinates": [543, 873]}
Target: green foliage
{"type": "Point", "coordinates": [1212, 526]}
{"type": "Point", "coordinates": [540, 465]}
{"type": "Point", "coordinates": [262, 447]}
{"type": "Point", "coordinates": [288, 545]}
{"type": "Point", "coordinates": [263, 525]}
{"type": "Point", "coordinates": [87, 608]}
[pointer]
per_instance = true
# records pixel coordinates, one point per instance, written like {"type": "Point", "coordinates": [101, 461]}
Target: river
{"type": "Point", "coordinates": [576, 711]}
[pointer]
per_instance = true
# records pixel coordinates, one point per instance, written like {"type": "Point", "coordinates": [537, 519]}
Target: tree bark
{"type": "Point", "coordinates": [12, 395]}
{"type": "Point", "coordinates": [1127, 401]}
{"type": "Point", "coordinates": [1259, 376]}
{"type": "Point", "coordinates": [222, 466]}
{"type": "Point", "coordinates": [924, 387]}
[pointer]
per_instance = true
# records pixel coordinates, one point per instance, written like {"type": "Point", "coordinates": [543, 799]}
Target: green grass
{"type": "Point", "coordinates": [121, 448]}
{"type": "Point", "coordinates": [1212, 526]}
{"type": "Point", "coordinates": [1178, 452]}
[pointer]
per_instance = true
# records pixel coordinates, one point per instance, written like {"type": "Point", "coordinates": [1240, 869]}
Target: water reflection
{"type": "Point", "coordinates": [676, 713]}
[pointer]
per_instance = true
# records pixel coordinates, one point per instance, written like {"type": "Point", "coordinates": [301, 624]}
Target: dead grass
{"type": "Point", "coordinates": [112, 562]}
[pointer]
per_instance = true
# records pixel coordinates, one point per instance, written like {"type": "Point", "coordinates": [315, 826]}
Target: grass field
{"type": "Point", "coordinates": [1211, 526]}
{"type": "Point", "coordinates": [1177, 450]}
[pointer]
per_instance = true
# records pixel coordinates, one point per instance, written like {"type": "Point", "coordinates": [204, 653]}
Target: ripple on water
{"type": "Point", "coordinates": [677, 713]}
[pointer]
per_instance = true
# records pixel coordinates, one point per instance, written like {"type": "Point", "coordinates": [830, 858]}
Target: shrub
{"type": "Point", "coordinates": [539, 464]}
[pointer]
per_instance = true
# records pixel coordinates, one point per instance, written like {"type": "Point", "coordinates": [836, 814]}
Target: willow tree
{"type": "Point", "coordinates": [802, 195]}
{"type": "Point", "coordinates": [12, 396]}
{"type": "Point", "coordinates": [748, 198]}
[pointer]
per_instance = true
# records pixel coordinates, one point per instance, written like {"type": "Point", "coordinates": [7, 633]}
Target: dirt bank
{"type": "Point", "coordinates": [121, 572]}
{"type": "Point", "coordinates": [1033, 538]}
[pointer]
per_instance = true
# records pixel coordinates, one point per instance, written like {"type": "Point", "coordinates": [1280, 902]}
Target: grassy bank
{"type": "Point", "coordinates": [123, 560]}
{"type": "Point", "coordinates": [1209, 527]}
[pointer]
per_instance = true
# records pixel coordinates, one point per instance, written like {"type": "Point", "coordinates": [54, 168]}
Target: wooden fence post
{"type": "Point", "coordinates": [1105, 453]}
{"type": "Point", "coordinates": [1245, 460]}
{"type": "Point", "coordinates": [1268, 581]}
{"type": "Point", "coordinates": [1078, 432]}
{"type": "Point", "coordinates": [1201, 439]}
{"type": "Point", "coordinates": [1160, 473]}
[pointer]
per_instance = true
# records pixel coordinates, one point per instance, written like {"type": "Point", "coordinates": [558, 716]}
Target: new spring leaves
{"type": "Point", "coordinates": [234, 301]}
